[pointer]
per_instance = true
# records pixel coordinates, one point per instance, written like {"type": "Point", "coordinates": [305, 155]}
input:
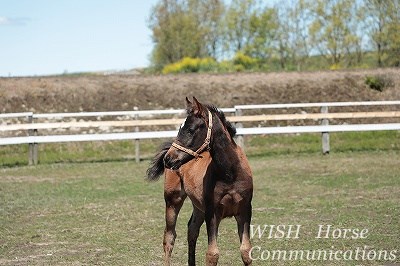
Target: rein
{"type": "Point", "coordinates": [204, 146]}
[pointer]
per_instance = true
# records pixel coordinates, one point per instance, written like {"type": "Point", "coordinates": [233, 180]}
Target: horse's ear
{"type": "Point", "coordinates": [188, 103]}
{"type": "Point", "coordinates": [189, 106]}
{"type": "Point", "coordinates": [197, 107]}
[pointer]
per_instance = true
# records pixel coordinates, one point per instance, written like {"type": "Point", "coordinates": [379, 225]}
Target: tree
{"type": "Point", "coordinates": [383, 20]}
{"type": "Point", "coordinates": [263, 27]}
{"type": "Point", "coordinates": [330, 31]}
{"type": "Point", "coordinates": [185, 28]}
{"type": "Point", "coordinates": [356, 39]}
{"type": "Point", "coordinates": [237, 24]}
{"type": "Point", "coordinates": [377, 22]}
{"type": "Point", "coordinates": [292, 33]}
{"type": "Point", "coordinates": [393, 29]}
{"type": "Point", "coordinates": [287, 33]}
{"type": "Point", "coordinates": [295, 21]}
{"type": "Point", "coordinates": [209, 15]}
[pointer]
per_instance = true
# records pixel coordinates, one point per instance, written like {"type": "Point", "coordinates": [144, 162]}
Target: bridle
{"type": "Point", "coordinates": [204, 146]}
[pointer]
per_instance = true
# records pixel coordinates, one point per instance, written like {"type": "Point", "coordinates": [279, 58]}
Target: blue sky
{"type": "Point", "coordinates": [41, 37]}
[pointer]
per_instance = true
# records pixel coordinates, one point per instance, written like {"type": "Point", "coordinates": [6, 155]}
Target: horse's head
{"type": "Point", "coordinates": [193, 136]}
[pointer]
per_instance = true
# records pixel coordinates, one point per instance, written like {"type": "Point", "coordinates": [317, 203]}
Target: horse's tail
{"type": "Point", "coordinates": [156, 167]}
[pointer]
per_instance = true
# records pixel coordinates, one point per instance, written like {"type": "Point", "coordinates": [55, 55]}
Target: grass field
{"type": "Point", "coordinates": [105, 213]}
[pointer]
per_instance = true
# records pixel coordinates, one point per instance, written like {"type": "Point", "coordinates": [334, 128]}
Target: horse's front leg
{"type": "Point", "coordinates": [174, 196]}
{"type": "Point", "coordinates": [194, 224]}
{"type": "Point", "coordinates": [212, 222]}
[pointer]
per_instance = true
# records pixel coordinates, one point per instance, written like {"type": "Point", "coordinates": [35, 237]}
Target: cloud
{"type": "Point", "coordinates": [5, 21]}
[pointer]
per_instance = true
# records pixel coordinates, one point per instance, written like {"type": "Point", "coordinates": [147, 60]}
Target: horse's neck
{"type": "Point", "coordinates": [224, 154]}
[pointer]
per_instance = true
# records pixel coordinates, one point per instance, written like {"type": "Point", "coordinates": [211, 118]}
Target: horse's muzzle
{"type": "Point", "coordinates": [171, 163]}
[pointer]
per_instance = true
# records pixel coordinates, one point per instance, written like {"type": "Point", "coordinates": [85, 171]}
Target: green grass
{"type": "Point", "coordinates": [311, 143]}
{"type": "Point", "coordinates": [107, 214]}
{"type": "Point", "coordinates": [269, 145]}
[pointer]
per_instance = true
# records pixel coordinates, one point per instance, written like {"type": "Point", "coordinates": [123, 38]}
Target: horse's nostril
{"type": "Point", "coordinates": [167, 161]}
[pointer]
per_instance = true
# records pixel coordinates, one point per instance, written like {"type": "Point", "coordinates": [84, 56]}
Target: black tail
{"type": "Point", "coordinates": [156, 167]}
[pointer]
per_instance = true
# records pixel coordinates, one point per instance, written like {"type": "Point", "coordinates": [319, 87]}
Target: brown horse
{"type": "Point", "coordinates": [205, 164]}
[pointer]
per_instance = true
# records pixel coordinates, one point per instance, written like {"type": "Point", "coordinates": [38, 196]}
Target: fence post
{"type": "Point", "coordinates": [33, 147]}
{"type": "Point", "coordinates": [137, 141]}
{"type": "Point", "coordinates": [239, 138]}
{"type": "Point", "coordinates": [325, 135]}
{"type": "Point", "coordinates": [30, 133]}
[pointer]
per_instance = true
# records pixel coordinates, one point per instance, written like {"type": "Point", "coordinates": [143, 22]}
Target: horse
{"type": "Point", "coordinates": [205, 164]}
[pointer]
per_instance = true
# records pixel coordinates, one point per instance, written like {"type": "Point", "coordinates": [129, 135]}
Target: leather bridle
{"type": "Point", "coordinates": [204, 146]}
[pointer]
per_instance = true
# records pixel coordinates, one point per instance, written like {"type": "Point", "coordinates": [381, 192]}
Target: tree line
{"type": "Point", "coordinates": [287, 35]}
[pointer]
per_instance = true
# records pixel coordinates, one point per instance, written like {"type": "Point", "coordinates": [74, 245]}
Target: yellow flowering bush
{"type": "Point", "coordinates": [240, 62]}
{"type": "Point", "coordinates": [335, 67]}
{"type": "Point", "coordinates": [245, 61]}
{"type": "Point", "coordinates": [189, 65]}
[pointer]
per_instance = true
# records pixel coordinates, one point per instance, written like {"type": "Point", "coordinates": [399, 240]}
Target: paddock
{"type": "Point", "coordinates": [107, 214]}
{"type": "Point", "coordinates": [89, 203]}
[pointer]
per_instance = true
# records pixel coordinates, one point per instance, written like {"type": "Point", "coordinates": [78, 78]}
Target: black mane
{"type": "Point", "coordinates": [228, 125]}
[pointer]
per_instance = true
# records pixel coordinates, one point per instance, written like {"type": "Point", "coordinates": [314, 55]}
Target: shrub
{"type": "Point", "coordinates": [245, 61]}
{"type": "Point", "coordinates": [239, 68]}
{"type": "Point", "coordinates": [226, 66]}
{"type": "Point", "coordinates": [190, 65]}
{"type": "Point", "coordinates": [379, 82]}
{"type": "Point", "coordinates": [335, 67]}
{"type": "Point", "coordinates": [239, 63]}
{"type": "Point", "coordinates": [207, 64]}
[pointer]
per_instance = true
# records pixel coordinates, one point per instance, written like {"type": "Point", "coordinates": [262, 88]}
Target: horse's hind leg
{"type": "Point", "coordinates": [194, 224]}
{"type": "Point", "coordinates": [243, 222]}
{"type": "Point", "coordinates": [174, 196]}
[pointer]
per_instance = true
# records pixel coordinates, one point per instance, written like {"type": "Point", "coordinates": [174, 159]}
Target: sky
{"type": "Point", "coordinates": [44, 37]}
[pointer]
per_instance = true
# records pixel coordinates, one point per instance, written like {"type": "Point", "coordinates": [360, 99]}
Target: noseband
{"type": "Point", "coordinates": [206, 144]}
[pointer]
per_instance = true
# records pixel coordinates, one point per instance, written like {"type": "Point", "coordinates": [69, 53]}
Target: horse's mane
{"type": "Point", "coordinates": [228, 125]}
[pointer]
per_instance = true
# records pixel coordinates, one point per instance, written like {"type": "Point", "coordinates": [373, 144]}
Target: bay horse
{"type": "Point", "coordinates": [205, 164]}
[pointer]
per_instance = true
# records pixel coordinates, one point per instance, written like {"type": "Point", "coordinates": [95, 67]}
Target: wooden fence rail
{"type": "Point", "coordinates": [33, 139]}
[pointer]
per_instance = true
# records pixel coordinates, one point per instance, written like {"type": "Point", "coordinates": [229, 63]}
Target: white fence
{"type": "Point", "coordinates": [33, 139]}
